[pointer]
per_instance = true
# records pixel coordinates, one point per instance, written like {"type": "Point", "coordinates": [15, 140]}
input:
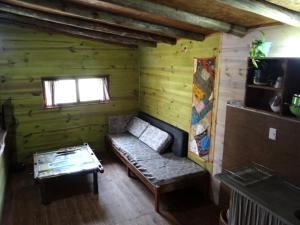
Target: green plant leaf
{"type": "Point", "coordinates": [254, 63]}
{"type": "Point", "coordinates": [257, 49]}
{"type": "Point", "coordinates": [262, 36]}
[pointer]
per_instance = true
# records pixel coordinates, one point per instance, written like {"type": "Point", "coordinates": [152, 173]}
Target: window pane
{"type": "Point", "coordinates": [92, 89]}
{"type": "Point", "coordinates": [48, 92]}
{"type": "Point", "coordinates": [64, 91]}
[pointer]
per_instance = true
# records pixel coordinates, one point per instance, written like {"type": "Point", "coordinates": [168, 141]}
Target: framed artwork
{"type": "Point", "coordinates": [202, 105]}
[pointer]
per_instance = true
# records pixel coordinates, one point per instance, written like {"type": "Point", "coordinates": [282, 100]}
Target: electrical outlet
{"type": "Point", "coordinates": [272, 134]}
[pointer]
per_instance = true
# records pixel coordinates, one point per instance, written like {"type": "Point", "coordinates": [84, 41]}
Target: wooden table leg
{"type": "Point", "coordinates": [128, 172]}
{"type": "Point", "coordinates": [43, 191]}
{"type": "Point", "coordinates": [157, 199]}
{"type": "Point", "coordinates": [95, 175]}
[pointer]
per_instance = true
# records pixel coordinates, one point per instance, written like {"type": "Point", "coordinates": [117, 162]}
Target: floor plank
{"type": "Point", "coordinates": [121, 201]}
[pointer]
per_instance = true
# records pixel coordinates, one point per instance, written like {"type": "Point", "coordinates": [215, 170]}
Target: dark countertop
{"type": "Point", "coordinates": [276, 195]}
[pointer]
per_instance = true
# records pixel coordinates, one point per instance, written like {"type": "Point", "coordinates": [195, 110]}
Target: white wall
{"type": "Point", "coordinates": [233, 68]}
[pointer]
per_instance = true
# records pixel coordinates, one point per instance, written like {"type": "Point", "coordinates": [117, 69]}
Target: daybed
{"type": "Point", "coordinates": [159, 172]}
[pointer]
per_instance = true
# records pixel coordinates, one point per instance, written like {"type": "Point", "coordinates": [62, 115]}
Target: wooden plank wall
{"type": "Point", "coordinates": [27, 55]}
{"type": "Point", "coordinates": [3, 169]}
{"type": "Point", "coordinates": [166, 74]}
{"type": "Point", "coordinates": [249, 142]}
{"type": "Point", "coordinates": [233, 68]}
{"type": "Point", "coordinates": [2, 183]}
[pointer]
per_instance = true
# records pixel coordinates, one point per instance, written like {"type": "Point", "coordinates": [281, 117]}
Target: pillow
{"type": "Point", "coordinates": [137, 126]}
{"type": "Point", "coordinates": [156, 139]}
{"type": "Point", "coordinates": [117, 124]}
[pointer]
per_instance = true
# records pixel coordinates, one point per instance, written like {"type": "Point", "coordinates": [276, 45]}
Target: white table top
{"type": "Point", "coordinates": [65, 161]}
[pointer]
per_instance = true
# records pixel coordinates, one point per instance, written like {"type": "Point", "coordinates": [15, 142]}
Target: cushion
{"type": "Point", "coordinates": [179, 143]}
{"type": "Point", "coordinates": [137, 126]}
{"type": "Point", "coordinates": [117, 124]}
{"type": "Point", "coordinates": [155, 138]}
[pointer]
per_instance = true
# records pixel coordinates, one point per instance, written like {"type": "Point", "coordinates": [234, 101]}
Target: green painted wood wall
{"type": "Point", "coordinates": [166, 74]}
{"type": "Point", "coordinates": [164, 86]}
{"type": "Point", "coordinates": [27, 55]}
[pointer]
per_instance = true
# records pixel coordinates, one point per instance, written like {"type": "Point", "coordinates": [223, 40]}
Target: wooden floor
{"type": "Point", "coordinates": [121, 201]}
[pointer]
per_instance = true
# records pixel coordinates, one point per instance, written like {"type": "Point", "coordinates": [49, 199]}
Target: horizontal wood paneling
{"type": "Point", "coordinates": [166, 74]}
{"type": "Point", "coordinates": [27, 55]}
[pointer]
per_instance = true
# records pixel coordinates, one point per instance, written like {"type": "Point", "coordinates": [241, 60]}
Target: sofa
{"type": "Point", "coordinates": [155, 152]}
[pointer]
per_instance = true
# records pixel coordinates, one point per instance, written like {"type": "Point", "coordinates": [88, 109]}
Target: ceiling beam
{"type": "Point", "coordinates": [67, 9]}
{"type": "Point", "coordinates": [266, 9]}
{"type": "Point", "coordinates": [76, 31]}
{"type": "Point", "coordinates": [53, 31]}
{"type": "Point", "coordinates": [79, 23]}
{"type": "Point", "coordinates": [146, 9]}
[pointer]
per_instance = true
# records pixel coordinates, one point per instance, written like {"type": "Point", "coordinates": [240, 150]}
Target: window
{"type": "Point", "coordinates": [68, 91]}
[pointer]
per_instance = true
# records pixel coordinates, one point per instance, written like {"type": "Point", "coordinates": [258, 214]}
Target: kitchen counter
{"type": "Point", "coordinates": [277, 196]}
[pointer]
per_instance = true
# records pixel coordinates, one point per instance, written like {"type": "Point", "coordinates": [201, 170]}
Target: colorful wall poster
{"type": "Point", "coordinates": [202, 105]}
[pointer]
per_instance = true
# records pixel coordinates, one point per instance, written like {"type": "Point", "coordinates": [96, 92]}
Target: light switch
{"type": "Point", "coordinates": [272, 134]}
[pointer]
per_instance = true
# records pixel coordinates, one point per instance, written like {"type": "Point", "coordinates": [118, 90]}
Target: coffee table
{"type": "Point", "coordinates": [65, 162]}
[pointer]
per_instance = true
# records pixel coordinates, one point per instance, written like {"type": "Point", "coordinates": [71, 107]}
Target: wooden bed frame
{"type": "Point", "coordinates": [199, 181]}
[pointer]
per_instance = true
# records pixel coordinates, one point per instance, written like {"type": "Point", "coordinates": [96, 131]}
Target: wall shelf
{"type": "Point", "coordinates": [264, 87]}
{"type": "Point", "coordinates": [258, 97]}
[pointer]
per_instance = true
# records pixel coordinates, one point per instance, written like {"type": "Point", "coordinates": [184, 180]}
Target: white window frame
{"type": "Point", "coordinates": [78, 102]}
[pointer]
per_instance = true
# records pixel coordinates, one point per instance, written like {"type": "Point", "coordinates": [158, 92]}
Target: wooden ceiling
{"type": "Point", "coordinates": [289, 4]}
{"type": "Point", "coordinates": [144, 22]}
{"type": "Point", "coordinates": [219, 11]}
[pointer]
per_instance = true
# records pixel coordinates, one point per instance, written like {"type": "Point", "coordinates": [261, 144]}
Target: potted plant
{"type": "Point", "coordinates": [259, 48]}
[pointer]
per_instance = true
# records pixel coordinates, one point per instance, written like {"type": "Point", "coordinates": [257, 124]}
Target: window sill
{"type": "Point", "coordinates": [77, 104]}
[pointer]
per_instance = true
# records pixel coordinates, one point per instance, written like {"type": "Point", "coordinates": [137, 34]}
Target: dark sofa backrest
{"type": "Point", "coordinates": [179, 144]}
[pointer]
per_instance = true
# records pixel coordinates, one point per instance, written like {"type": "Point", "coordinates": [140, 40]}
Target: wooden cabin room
{"type": "Point", "coordinates": [149, 112]}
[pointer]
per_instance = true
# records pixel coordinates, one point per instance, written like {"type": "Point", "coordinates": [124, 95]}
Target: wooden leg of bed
{"type": "Point", "coordinates": [131, 174]}
{"type": "Point", "coordinates": [157, 199]}
{"type": "Point", "coordinates": [205, 187]}
{"type": "Point", "coordinates": [107, 144]}
{"type": "Point", "coordinates": [128, 172]}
